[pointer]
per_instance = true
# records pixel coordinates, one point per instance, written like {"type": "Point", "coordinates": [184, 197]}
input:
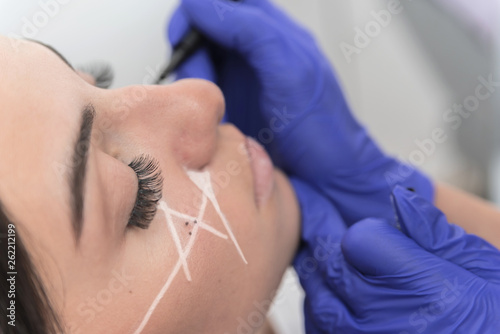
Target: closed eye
{"type": "Point", "coordinates": [149, 191]}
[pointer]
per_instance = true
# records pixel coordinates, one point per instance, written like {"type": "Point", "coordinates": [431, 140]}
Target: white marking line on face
{"type": "Point", "coordinates": [177, 241]}
{"type": "Point", "coordinates": [204, 183]}
{"type": "Point", "coordinates": [200, 222]}
{"type": "Point", "coordinates": [203, 207]}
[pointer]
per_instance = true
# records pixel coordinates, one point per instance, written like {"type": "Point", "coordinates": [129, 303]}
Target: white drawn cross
{"type": "Point", "coordinates": [204, 183]}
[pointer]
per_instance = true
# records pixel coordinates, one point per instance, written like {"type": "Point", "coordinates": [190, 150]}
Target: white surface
{"type": "Point", "coordinates": [480, 15]}
{"type": "Point", "coordinates": [286, 313]}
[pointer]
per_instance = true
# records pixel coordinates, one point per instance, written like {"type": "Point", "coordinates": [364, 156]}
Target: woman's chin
{"type": "Point", "coordinates": [288, 214]}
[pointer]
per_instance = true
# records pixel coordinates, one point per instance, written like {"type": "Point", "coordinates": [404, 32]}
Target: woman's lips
{"type": "Point", "coordinates": [263, 171]}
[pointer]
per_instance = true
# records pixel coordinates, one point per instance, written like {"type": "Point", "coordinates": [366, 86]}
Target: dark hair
{"type": "Point", "coordinates": [33, 311]}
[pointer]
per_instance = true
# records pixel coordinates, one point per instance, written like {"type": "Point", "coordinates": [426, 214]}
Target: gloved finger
{"type": "Point", "coordinates": [376, 248]}
{"type": "Point", "coordinates": [322, 231]}
{"type": "Point", "coordinates": [381, 264]}
{"type": "Point", "coordinates": [178, 26]}
{"type": "Point", "coordinates": [354, 290]}
{"type": "Point", "coordinates": [229, 24]}
{"type": "Point", "coordinates": [322, 224]}
{"type": "Point", "coordinates": [323, 310]}
{"type": "Point", "coordinates": [322, 270]}
{"type": "Point", "coordinates": [256, 20]}
{"type": "Point", "coordinates": [199, 65]}
{"type": "Point", "coordinates": [238, 26]}
{"type": "Point", "coordinates": [280, 15]}
{"type": "Point", "coordinates": [179, 23]}
{"type": "Point", "coordinates": [326, 313]}
{"type": "Point", "coordinates": [429, 227]}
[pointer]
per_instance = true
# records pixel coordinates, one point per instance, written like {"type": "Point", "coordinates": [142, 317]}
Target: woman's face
{"type": "Point", "coordinates": [224, 231]}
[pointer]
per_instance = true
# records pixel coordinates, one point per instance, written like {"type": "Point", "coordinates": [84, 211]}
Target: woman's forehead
{"type": "Point", "coordinates": [23, 60]}
{"type": "Point", "coordinates": [15, 50]}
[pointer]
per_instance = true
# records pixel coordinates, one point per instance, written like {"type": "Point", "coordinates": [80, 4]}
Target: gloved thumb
{"type": "Point", "coordinates": [178, 26]}
{"type": "Point", "coordinates": [429, 227]}
{"type": "Point", "coordinates": [199, 65]}
{"type": "Point", "coordinates": [234, 25]}
{"type": "Point", "coordinates": [376, 248]}
{"type": "Point", "coordinates": [321, 232]}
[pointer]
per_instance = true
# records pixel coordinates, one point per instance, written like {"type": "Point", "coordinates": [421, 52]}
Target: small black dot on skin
{"type": "Point", "coordinates": [411, 189]}
{"type": "Point", "coordinates": [190, 233]}
{"type": "Point", "coordinates": [195, 221]}
{"type": "Point", "coordinates": [187, 223]}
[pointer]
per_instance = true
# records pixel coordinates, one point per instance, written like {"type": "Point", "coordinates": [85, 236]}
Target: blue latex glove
{"type": "Point", "coordinates": [434, 278]}
{"type": "Point", "coordinates": [322, 232]}
{"type": "Point", "coordinates": [280, 89]}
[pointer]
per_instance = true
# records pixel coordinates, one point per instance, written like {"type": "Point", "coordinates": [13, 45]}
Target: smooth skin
{"type": "Point", "coordinates": [42, 100]}
{"type": "Point", "coordinates": [473, 214]}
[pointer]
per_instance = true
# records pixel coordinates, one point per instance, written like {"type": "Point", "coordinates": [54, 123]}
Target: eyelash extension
{"type": "Point", "coordinates": [102, 73]}
{"type": "Point", "coordinates": [149, 192]}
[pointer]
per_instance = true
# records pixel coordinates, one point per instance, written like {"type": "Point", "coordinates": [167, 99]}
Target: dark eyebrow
{"type": "Point", "coordinates": [79, 157]}
{"type": "Point", "coordinates": [53, 50]}
{"type": "Point", "coordinates": [79, 170]}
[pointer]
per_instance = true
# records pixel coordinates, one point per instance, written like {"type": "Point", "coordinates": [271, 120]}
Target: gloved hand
{"type": "Point", "coordinates": [322, 231]}
{"type": "Point", "coordinates": [435, 279]}
{"type": "Point", "coordinates": [280, 89]}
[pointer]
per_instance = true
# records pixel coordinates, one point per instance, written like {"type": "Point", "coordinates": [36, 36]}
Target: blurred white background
{"type": "Point", "coordinates": [419, 64]}
{"type": "Point", "coordinates": [128, 34]}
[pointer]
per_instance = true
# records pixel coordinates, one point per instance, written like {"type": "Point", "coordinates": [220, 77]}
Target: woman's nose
{"type": "Point", "coordinates": [180, 118]}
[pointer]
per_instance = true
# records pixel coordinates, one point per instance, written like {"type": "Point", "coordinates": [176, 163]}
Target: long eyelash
{"type": "Point", "coordinates": [149, 193]}
{"type": "Point", "coordinates": [102, 73]}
